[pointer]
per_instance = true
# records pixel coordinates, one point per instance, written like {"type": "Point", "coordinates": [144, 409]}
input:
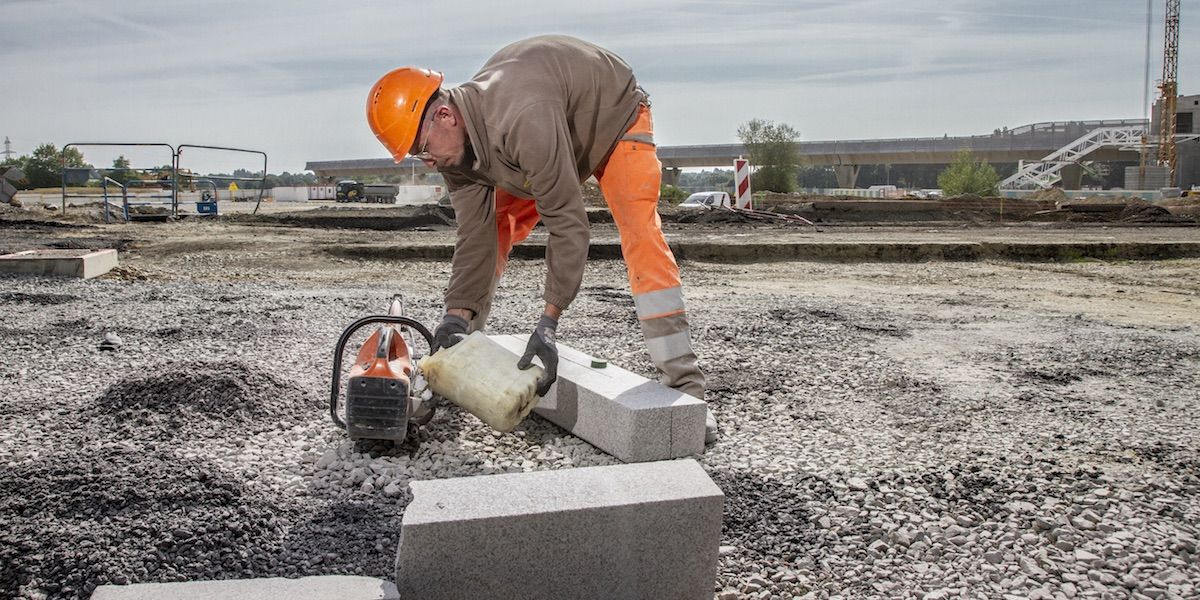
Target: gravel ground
{"type": "Point", "coordinates": [986, 430]}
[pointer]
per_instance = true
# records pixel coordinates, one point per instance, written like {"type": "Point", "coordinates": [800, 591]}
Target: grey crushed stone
{"type": "Point", "coordinates": [867, 450]}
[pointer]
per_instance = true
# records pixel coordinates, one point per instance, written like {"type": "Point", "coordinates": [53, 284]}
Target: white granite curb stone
{"type": "Point", "coordinates": [647, 530]}
{"type": "Point", "coordinates": [85, 264]}
{"type": "Point", "coordinates": [325, 587]}
{"type": "Point", "coordinates": [618, 411]}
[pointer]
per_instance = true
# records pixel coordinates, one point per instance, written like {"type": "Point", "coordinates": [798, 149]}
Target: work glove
{"type": "Point", "coordinates": [542, 345]}
{"type": "Point", "coordinates": [449, 332]}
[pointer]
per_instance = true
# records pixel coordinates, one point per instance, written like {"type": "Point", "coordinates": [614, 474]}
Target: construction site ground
{"type": "Point", "coordinates": [892, 425]}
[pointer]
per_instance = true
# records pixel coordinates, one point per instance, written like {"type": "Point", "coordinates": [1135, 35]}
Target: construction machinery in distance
{"type": "Point", "coordinates": [357, 191]}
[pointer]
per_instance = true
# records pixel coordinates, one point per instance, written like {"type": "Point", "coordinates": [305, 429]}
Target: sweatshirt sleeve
{"type": "Point", "coordinates": [474, 264]}
{"type": "Point", "coordinates": [541, 144]}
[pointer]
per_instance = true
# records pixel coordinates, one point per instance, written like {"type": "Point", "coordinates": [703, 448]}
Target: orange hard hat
{"type": "Point", "coordinates": [395, 106]}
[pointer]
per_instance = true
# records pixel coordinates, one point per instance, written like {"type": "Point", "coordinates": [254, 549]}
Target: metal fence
{"type": "Point", "coordinates": [160, 191]}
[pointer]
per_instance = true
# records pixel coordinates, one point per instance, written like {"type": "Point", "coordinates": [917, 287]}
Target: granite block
{"type": "Point", "coordinates": [618, 411]}
{"type": "Point", "coordinates": [326, 587]}
{"type": "Point", "coordinates": [70, 262]}
{"type": "Point", "coordinates": [647, 530]}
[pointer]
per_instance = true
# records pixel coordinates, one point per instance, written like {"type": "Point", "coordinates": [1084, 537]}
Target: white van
{"type": "Point", "coordinates": [707, 200]}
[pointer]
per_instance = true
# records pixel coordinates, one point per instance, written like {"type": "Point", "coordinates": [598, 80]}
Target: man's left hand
{"type": "Point", "coordinates": [542, 345]}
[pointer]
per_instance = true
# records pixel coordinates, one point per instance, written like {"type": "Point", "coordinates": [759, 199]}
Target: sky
{"type": "Point", "coordinates": [290, 78]}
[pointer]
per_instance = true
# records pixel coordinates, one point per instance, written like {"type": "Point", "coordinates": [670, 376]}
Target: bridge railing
{"type": "Point", "coordinates": [1064, 126]}
{"type": "Point", "coordinates": [1046, 128]}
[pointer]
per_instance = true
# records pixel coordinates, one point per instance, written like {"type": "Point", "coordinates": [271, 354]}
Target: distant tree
{"type": "Point", "coordinates": [162, 174]}
{"type": "Point", "coordinates": [291, 179]}
{"type": "Point", "coordinates": [772, 150]}
{"type": "Point", "coordinates": [917, 176]}
{"type": "Point", "coordinates": [286, 179]}
{"type": "Point", "coordinates": [120, 171]}
{"type": "Point", "coordinates": [869, 175]}
{"type": "Point", "coordinates": [969, 176]}
{"type": "Point", "coordinates": [816, 177]}
{"type": "Point", "coordinates": [43, 168]}
{"type": "Point", "coordinates": [703, 181]}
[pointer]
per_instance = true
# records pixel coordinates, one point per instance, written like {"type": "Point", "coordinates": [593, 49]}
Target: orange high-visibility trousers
{"type": "Point", "coordinates": [630, 180]}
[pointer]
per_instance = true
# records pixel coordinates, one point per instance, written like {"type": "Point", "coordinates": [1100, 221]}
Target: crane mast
{"type": "Point", "coordinates": [1169, 90]}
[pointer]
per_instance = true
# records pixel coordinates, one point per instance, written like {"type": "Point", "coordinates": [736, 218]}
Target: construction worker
{"type": "Point", "coordinates": [514, 145]}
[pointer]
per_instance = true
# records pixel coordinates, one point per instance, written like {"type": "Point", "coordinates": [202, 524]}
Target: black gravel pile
{"type": "Point", "coordinates": [766, 517]}
{"type": "Point", "coordinates": [202, 400]}
{"type": "Point", "coordinates": [349, 537]}
{"type": "Point", "coordinates": [70, 521]}
{"type": "Point", "coordinates": [38, 299]}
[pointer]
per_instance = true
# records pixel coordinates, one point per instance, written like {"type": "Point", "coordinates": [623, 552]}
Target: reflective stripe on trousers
{"type": "Point", "coordinates": [630, 181]}
{"type": "Point", "coordinates": [668, 340]}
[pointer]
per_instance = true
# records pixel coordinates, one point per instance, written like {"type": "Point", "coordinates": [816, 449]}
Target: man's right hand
{"type": "Point", "coordinates": [451, 331]}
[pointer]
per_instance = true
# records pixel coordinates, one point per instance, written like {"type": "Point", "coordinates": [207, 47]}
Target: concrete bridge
{"type": "Point", "coordinates": [1029, 142]}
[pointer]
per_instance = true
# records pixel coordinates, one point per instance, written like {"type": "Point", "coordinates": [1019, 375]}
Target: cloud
{"type": "Point", "coordinates": [290, 77]}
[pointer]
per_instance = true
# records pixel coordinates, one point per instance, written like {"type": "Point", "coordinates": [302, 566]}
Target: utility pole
{"type": "Point", "coordinates": [8, 151]}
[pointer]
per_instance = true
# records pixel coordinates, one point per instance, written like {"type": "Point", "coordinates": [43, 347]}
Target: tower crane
{"type": "Point", "coordinates": [1169, 90]}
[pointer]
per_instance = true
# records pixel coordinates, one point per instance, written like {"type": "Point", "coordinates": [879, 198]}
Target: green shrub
{"type": "Point", "coordinates": [671, 194]}
{"type": "Point", "coordinates": [969, 176]}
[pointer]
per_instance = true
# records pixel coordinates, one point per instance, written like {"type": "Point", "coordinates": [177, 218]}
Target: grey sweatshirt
{"type": "Point", "coordinates": [541, 116]}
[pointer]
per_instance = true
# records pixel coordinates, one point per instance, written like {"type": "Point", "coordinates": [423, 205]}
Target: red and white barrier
{"type": "Point", "coordinates": [741, 183]}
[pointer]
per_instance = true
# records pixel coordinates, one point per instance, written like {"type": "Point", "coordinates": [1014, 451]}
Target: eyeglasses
{"type": "Point", "coordinates": [426, 128]}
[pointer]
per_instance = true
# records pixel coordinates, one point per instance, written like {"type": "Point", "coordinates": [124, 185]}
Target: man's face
{"type": "Point", "coordinates": [441, 143]}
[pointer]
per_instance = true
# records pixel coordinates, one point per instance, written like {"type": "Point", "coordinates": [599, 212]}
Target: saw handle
{"type": "Point", "coordinates": [339, 349]}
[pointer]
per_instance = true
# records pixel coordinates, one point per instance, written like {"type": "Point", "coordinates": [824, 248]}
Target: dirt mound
{"type": "Point", "coordinates": [150, 211]}
{"type": "Point", "coordinates": [1140, 211]}
{"type": "Point", "coordinates": [391, 218]}
{"type": "Point", "coordinates": [768, 200]}
{"type": "Point", "coordinates": [11, 216]}
{"type": "Point", "coordinates": [1048, 195]}
{"type": "Point", "coordinates": [1110, 210]}
{"type": "Point", "coordinates": [202, 400]}
{"type": "Point", "coordinates": [793, 208]}
{"type": "Point", "coordinates": [1184, 201]}
{"type": "Point", "coordinates": [964, 198]}
{"type": "Point", "coordinates": [707, 216]}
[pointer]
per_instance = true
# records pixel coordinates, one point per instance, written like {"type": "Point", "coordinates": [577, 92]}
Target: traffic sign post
{"type": "Point", "coordinates": [741, 183]}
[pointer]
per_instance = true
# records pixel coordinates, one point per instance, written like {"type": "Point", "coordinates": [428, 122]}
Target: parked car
{"type": "Point", "coordinates": [707, 200]}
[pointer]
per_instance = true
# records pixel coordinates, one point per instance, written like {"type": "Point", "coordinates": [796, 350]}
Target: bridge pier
{"type": "Point", "coordinates": [670, 175]}
{"type": "Point", "coordinates": [1072, 176]}
{"type": "Point", "coordinates": [846, 175]}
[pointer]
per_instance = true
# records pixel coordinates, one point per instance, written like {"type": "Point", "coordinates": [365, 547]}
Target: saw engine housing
{"type": "Point", "coordinates": [378, 392]}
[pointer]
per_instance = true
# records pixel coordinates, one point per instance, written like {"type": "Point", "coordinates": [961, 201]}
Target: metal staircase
{"type": "Point", "coordinates": [1045, 173]}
